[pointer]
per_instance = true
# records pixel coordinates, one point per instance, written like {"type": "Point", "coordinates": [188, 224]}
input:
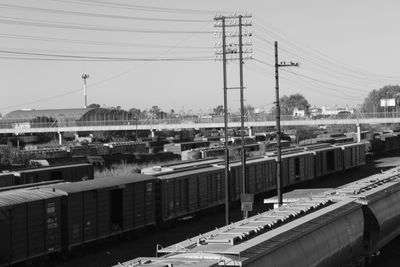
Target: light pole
{"type": "Point", "coordinates": [84, 77]}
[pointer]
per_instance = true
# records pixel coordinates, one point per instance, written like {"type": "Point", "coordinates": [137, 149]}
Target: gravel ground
{"type": "Point", "coordinates": [113, 251]}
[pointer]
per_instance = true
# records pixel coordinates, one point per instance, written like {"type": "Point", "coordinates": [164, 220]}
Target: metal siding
{"type": "Point", "coordinates": [150, 204]}
{"type": "Point", "coordinates": [128, 206]}
{"type": "Point", "coordinates": [139, 206]}
{"type": "Point", "coordinates": [19, 232]}
{"type": "Point", "coordinates": [89, 215]}
{"type": "Point", "coordinates": [6, 180]}
{"type": "Point", "coordinates": [192, 193]}
{"type": "Point", "coordinates": [202, 184]}
{"type": "Point", "coordinates": [103, 213]}
{"type": "Point", "coordinates": [75, 219]}
{"type": "Point", "coordinates": [5, 233]}
{"type": "Point", "coordinates": [53, 224]}
{"type": "Point", "coordinates": [387, 214]}
{"type": "Point", "coordinates": [36, 229]}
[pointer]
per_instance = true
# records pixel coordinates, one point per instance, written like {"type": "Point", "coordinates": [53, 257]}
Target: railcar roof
{"type": "Point", "coordinates": [163, 262]}
{"type": "Point", "coordinates": [260, 232]}
{"type": "Point", "coordinates": [100, 183]}
{"type": "Point", "coordinates": [15, 197]}
{"type": "Point", "coordinates": [251, 161]}
{"type": "Point", "coordinates": [52, 167]}
{"type": "Point", "coordinates": [299, 194]}
{"type": "Point", "coordinates": [184, 164]}
{"type": "Point", "coordinates": [372, 187]}
{"type": "Point", "coordinates": [171, 175]}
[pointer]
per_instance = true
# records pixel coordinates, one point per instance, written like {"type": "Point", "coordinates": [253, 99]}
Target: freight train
{"type": "Point", "coordinates": [58, 218]}
{"type": "Point", "coordinates": [340, 227]}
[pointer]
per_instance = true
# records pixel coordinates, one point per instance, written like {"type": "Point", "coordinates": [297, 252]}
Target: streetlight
{"type": "Point", "coordinates": [84, 77]}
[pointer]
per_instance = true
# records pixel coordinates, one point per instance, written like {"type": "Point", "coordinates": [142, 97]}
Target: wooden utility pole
{"type": "Point", "coordinates": [278, 122]}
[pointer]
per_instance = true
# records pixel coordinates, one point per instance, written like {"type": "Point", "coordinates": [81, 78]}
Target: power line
{"type": "Point", "coordinates": [88, 27]}
{"type": "Point", "coordinates": [92, 42]}
{"type": "Point", "coordinates": [140, 7]}
{"type": "Point", "coordinates": [330, 89]}
{"type": "Point", "coordinates": [98, 15]}
{"type": "Point", "coordinates": [322, 56]}
{"type": "Point", "coordinates": [78, 57]}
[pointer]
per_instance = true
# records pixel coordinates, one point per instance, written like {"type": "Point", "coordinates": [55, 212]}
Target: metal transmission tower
{"type": "Point", "coordinates": [84, 77]}
{"type": "Point", "coordinates": [278, 122]}
{"type": "Point", "coordinates": [231, 48]}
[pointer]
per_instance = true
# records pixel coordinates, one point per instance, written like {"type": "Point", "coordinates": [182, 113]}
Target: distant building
{"type": "Point", "coordinates": [335, 111]}
{"type": "Point", "coordinates": [315, 111]}
{"type": "Point", "coordinates": [299, 112]}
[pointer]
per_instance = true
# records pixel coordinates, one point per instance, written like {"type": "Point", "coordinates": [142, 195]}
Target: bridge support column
{"type": "Point", "coordinates": [153, 133]}
{"type": "Point", "coordinates": [250, 131]}
{"type": "Point", "coordinates": [358, 133]}
{"type": "Point", "coordinates": [59, 138]}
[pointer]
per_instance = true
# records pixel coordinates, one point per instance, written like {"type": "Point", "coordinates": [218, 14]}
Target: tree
{"type": "Point", "coordinates": [219, 110]}
{"type": "Point", "coordinates": [288, 103]}
{"type": "Point", "coordinates": [135, 112]}
{"type": "Point", "coordinates": [372, 102]}
{"type": "Point", "coordinates": [94, 105]}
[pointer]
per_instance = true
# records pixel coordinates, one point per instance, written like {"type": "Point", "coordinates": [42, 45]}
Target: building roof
{"type": "Point", "coordinates": [73, 113]}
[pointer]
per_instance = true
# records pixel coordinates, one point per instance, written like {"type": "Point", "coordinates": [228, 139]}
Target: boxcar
{"type": "Point", "coordinates": [186, 192]}
{"type": "Point", "coordinates": [328, 160]}
{"type": "Point", "coordinates": [353, 155]}
{"type": "Point", "coordinates": [260, 177]}
{"type": "Point", "coordinates": [70, 173]}
{"type": "Point", "coordinates": [29, 224]}
{"type": "Point", "coordinates": [103, 207]}
{"type": "Point", "coordinates": [297, 167]}
{"type": "Point", "coordinates": [7, 179]}
{"type": "Point", "coordinates": [392, 142]}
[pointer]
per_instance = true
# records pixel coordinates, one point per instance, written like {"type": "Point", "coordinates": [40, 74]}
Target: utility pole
{"type": "Point", "coordinates": [278, 122]}
{"type": "Point", "coordinates": [245, 212]}
{"type": "Point", "coordinates": [232, 49]}
{"type": "Point", "coordinates": [84, 77]}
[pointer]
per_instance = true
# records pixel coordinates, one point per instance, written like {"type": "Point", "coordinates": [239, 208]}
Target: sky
{"type": "Point", "coordinates": [145, 53]}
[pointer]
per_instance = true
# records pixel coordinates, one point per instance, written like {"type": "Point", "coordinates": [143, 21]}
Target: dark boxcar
{"type": "Point", "coordinates": [328, 160]}
{"type": "Point", "coordinates": [260, 177]}
{"type": "Point", "coordinates": [29, 224]}
{"type": "Point", "coordinates": [99, 208]}
{"type": "Point", "coordinates": [7, 179]}
{"type": "Point", "coordinates": [392, 142]}
{"type": "Point", "coordinates": [186, 192]}
{"type": "Point", "coordinates": [353, 155]}
{"type": "Point", "coordinates": [297, 167]}
{"type": "Point", "coordinates": [70, 173]}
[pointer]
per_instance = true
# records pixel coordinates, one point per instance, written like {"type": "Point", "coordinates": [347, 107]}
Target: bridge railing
{"type": "Point", "coordinates": [69, 122]}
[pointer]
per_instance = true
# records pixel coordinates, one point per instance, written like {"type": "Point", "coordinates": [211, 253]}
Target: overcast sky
{"type": "Point", "coordinates": [144, 53]}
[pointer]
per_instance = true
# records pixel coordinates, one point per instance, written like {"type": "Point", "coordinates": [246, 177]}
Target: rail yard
{"type": "Point", "coordinates": [62, 217]}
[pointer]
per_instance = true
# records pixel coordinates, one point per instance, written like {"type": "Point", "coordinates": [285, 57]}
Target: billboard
{"type": "Point", "coordinates": [389, 102]}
